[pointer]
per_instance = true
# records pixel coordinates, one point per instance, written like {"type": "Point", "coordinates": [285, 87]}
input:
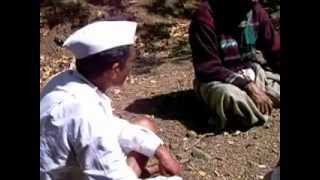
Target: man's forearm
{"type": "Point", "coordinates": [167, 161]}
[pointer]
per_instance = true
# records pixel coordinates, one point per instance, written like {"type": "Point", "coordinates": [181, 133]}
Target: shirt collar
{"type": "Point", "coordinates": [84, 79]}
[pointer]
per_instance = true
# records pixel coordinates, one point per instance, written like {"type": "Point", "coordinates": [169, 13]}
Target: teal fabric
{"type": "Point", "coordinates": [248, 38]}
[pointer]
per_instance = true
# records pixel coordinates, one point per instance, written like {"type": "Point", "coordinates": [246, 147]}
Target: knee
{"type": "Point", "coordinates": [137, 162]}
{"type": "Point", "coordinates": [147, 123]}
{"type": "Point", "coordinates": [227, 91]}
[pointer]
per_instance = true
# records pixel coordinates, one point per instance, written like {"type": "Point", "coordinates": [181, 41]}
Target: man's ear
{"type": "Point", "coordinates": [113, 71]}
{"type": "Point", "coordinates": [116, 67]}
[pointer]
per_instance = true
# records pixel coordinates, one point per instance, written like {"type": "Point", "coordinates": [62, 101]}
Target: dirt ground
{"type": "Point", "coordinates": [160, 85]}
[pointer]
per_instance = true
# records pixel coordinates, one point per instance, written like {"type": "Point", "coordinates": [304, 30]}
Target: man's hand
{"type": "Point", "coordinates": [260, 98]}
{"type": "Point", "coordinates": [167, 163]}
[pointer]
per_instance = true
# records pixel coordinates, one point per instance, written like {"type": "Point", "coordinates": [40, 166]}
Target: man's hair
{"type": "Point", "coordinates": [94, 65]}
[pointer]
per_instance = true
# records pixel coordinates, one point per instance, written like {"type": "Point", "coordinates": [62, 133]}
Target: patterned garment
{"type": "Point", "coordinates": [219, 54]}
{"type": "Point", "coordinates": [228, 102]}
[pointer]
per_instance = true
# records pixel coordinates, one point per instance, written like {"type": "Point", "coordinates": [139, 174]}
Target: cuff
{"type": "Point", "coordinates": [238, 81]}
{"type": "Point", "coordinates": [139, 139]}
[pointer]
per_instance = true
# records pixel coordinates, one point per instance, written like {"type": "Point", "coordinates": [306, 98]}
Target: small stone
{"type": "Point", "coordinates": [153, 81]}
{"type": "Point", "coordinates": [202, 173]}
{"type": "Point", "coordinates": [251, 163]}
{"type": "Point", "coordinates": [157, 44]}
{"type": "Point", "coordinates": [100, 14]}
{"type": "Point", "coordinates": [236, 133]}
{"type": "Point", "coordinates": [262, 166]}
{"type": "Point", "coordinates": [267, 126]}
{"type": "Point", "coordinates": [200, 145]}
{"type": "Point", "coordinates": [179, 156]}
{"type": "Point", "coordinates": [253, 130]}
{"type": "Point", "coordinates": [191, 134]}
{"type": "Point", "coordinates": [132, 81]}
{"type": "Point", "coordinates": [260, 177]}
{"type": "Point", "coordinates": [274, 151]}
{"type": "Point", "coordinates": [230, 142]}
{"type": "Point", "coordinates": [59, 40]}
{"type": "Point", "coordinates": [249, 145]}
{"type": "Point", "coordinates": [185, 139]}
{"type": "Point", "coordinates": [198, 153]}
{"type": "Point", "coordinates": [182, 156]}
{"type": "Point", "coordinates": [174, 146]}
{"type": "Point", "coordinates": [116, 91]}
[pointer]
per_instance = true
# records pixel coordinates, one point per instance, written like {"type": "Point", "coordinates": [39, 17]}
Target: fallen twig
{"type": "Point", "coordinates": [199, 140]}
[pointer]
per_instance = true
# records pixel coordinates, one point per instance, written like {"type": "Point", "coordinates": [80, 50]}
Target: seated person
{"type": "Point", "coordinates": [80, 138]}
{"type": "Point", "coordinates": [236, 58]}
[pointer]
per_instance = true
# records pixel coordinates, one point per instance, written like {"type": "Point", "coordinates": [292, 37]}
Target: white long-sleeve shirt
{"type": "Point", "coordinates": [80, 138]}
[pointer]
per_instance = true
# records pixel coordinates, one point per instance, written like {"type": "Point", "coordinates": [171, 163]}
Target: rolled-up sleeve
{"type": "Point", "coordinates": [139, 139]}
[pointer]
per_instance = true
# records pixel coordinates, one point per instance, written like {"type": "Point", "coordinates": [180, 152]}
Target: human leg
{"type": "Point", "coordinates": [228, 102]}
{"type": "Point", "coordinates": [137, 161]}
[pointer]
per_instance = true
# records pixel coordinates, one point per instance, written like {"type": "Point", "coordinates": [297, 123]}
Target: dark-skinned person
{"type": "Point", "coordinates": [80, 137]}
{"type": "Point", "coordinates": [236, 59]}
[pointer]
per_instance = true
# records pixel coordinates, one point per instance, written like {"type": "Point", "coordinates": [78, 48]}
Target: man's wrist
{"type": "Point", "coordinates": [160, 151]}
{"type": "Point", "coordinates": [249, 88]}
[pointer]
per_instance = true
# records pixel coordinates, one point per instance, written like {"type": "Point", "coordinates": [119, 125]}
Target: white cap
{"type": "Point", "coordinates": [100, 36]}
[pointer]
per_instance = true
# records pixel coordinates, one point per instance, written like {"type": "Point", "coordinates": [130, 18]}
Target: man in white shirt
{"type": "Point", "coordinates": [80, 138]}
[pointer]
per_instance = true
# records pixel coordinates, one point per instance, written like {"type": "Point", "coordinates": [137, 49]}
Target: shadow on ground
{"type": "Point", "coordinates": [183, 106]}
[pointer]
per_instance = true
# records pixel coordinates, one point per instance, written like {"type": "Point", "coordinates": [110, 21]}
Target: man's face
{"type": "Point", "coordinates": [121, 73]}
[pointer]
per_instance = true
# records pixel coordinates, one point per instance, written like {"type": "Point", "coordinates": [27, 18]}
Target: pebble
{"type": "Point", "coordinates": [236, 133]}
{"type": "Point", "coordinates": [181, 156]}
{"type": "Point", "coordinates": [116, 91]}
{"type": "Point", "coordinates": [267, 126]}
{"type": "Point", "coordinates": [200, 154]}
{"type": "Point", "coordinates": [262, 166]}
{"type": "Point", "coordinates": [174, 146]}
{"type": "Point", "coordinates": [59, 40]}
{"type": "Point", "coordinates": [202, 173]}
{"type": "Point", "coordinates": [191, 134]}
{"type": "Point", "coordinates": [260, 177]}
{"type": "Point", "coordinates": [132, 81]}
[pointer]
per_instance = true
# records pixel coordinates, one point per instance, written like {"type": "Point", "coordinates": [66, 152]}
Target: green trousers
{"type": "Point", "coordinates": [227, 102]}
